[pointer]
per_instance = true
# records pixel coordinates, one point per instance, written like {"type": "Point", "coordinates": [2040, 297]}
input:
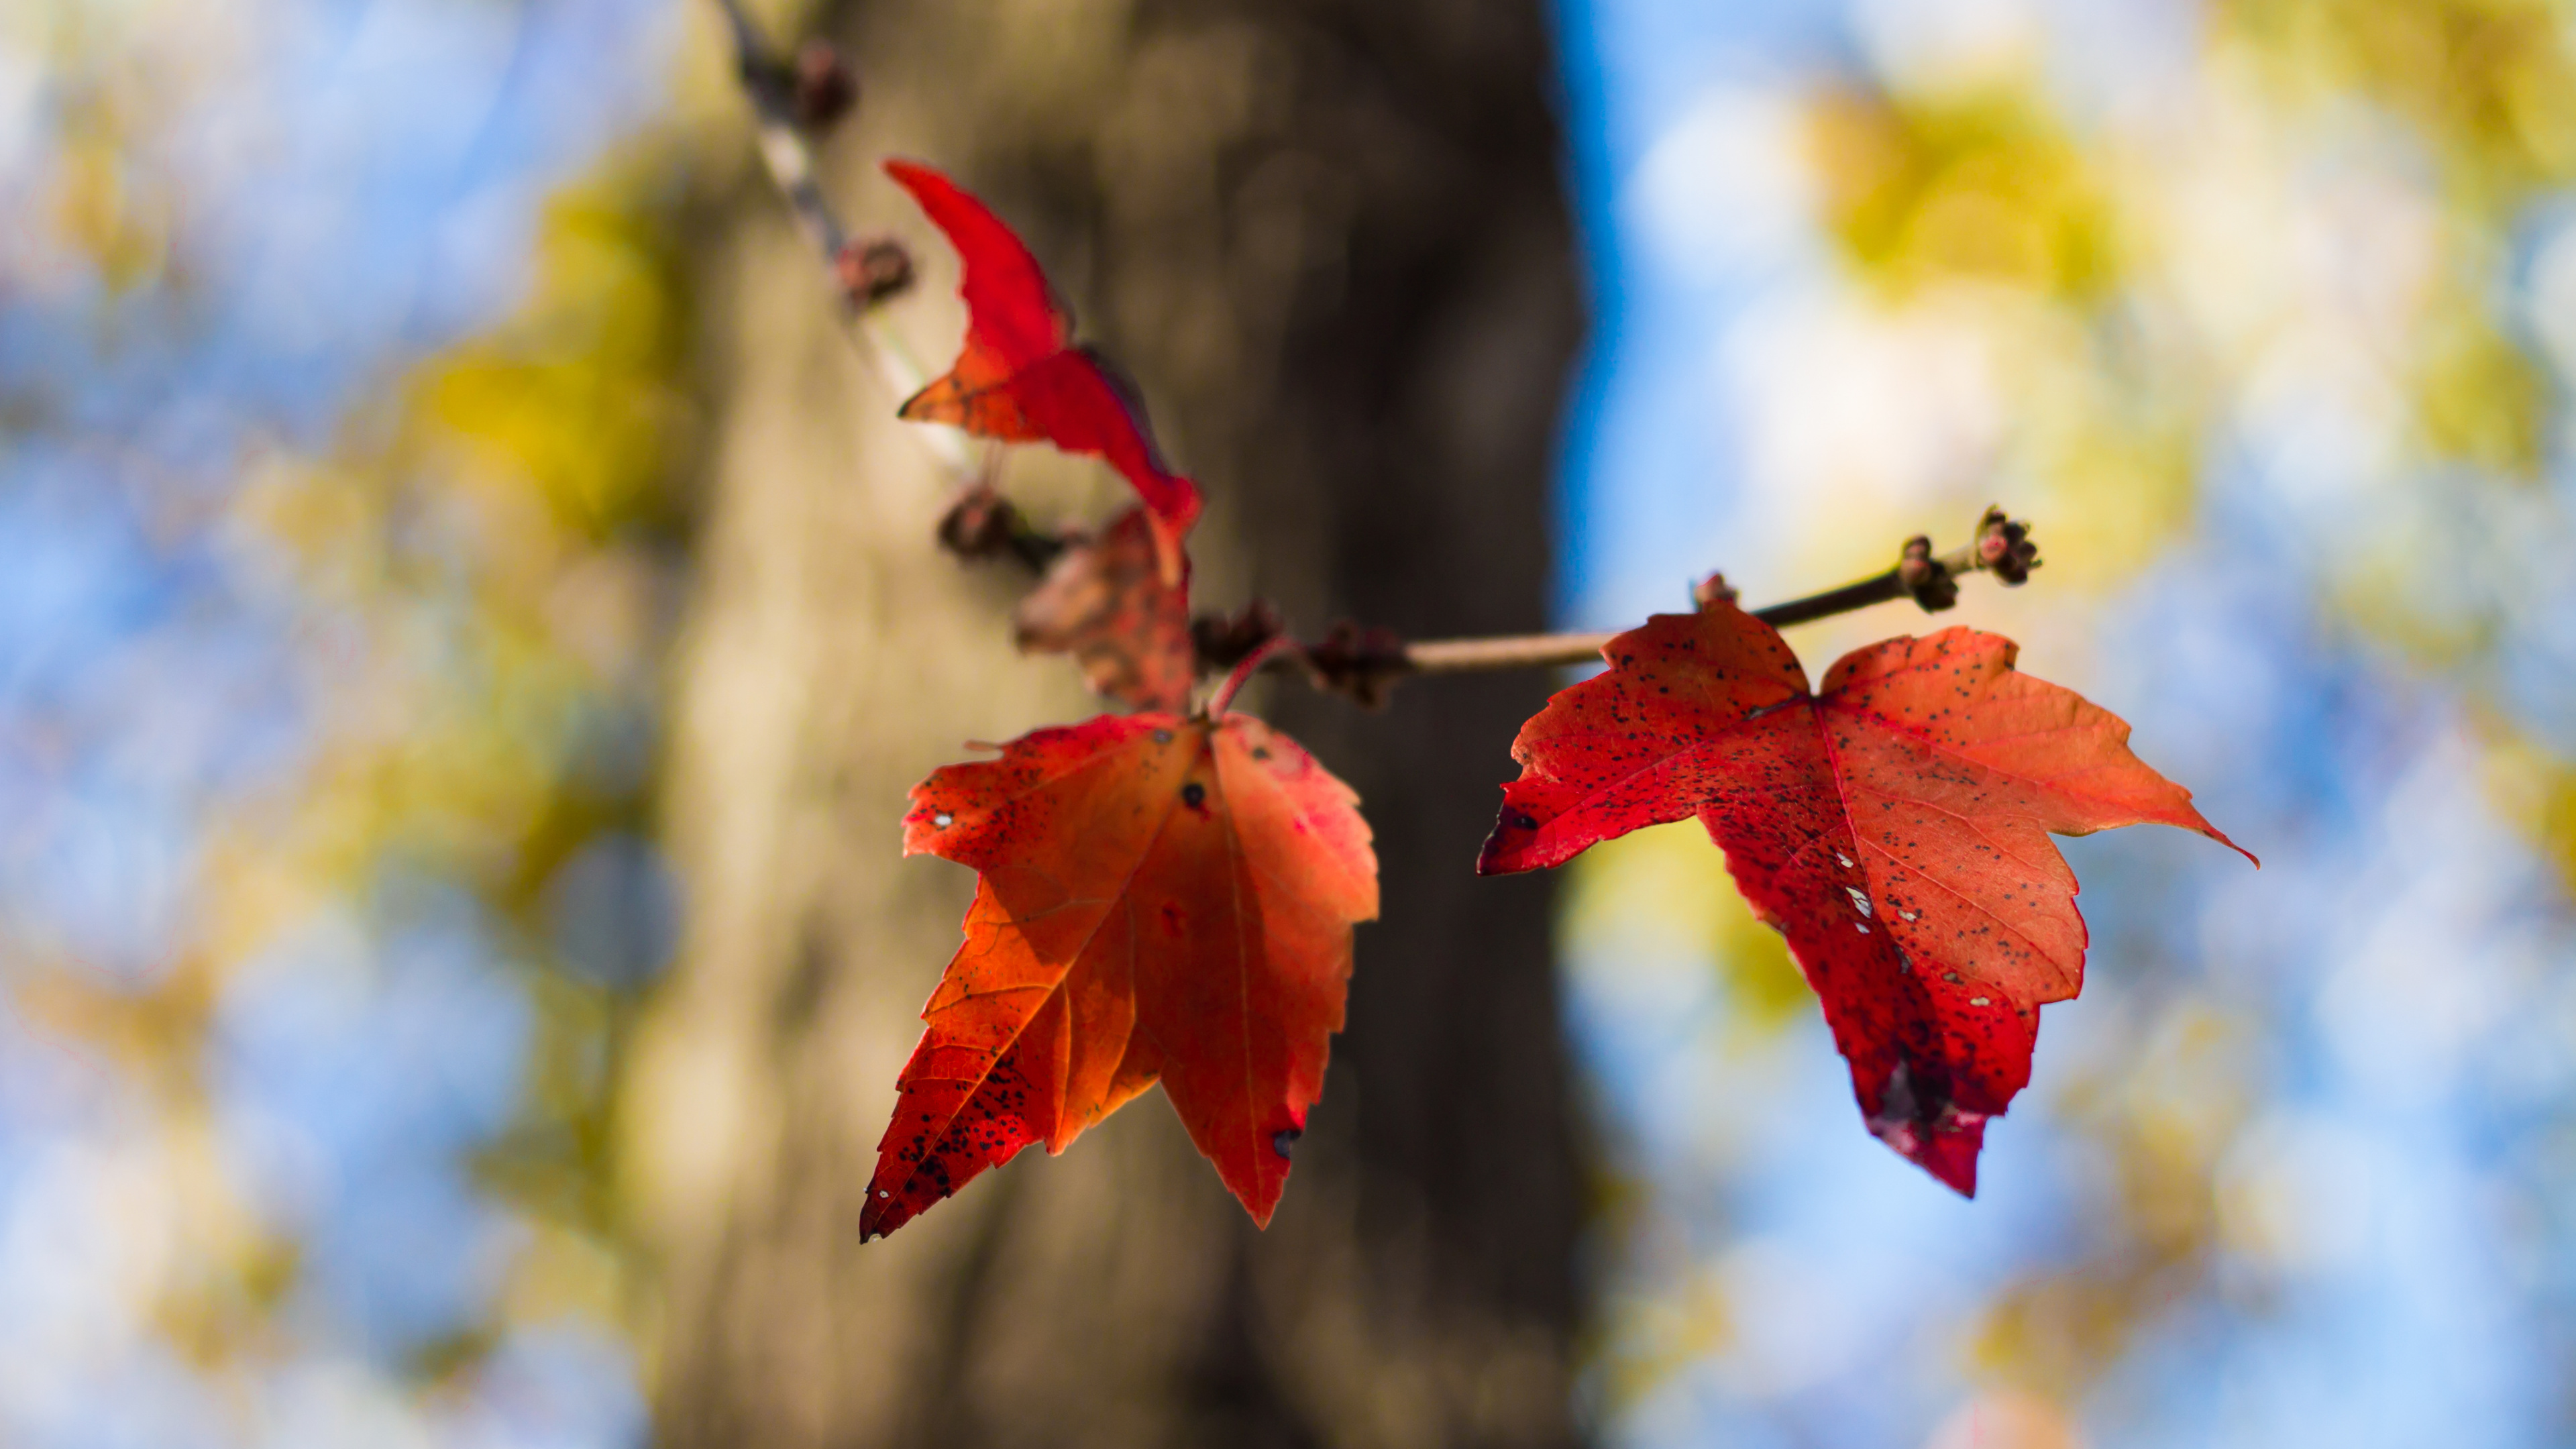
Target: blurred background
{"type": "Point", "coordinates": [468, 620]}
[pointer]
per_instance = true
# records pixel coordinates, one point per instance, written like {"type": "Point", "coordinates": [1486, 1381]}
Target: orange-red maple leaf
{"type": "Point", "coordinates": [1020, 378]}
{"type": "Point", "coordinates": [1158, 898]}
{"type": "Point", "coordinates": [1104, 601]}
{"type": "Point", "coordinates": [1894, 826]}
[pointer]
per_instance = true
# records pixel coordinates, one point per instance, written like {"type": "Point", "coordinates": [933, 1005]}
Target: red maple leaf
{"type": "Point", "coordinates": [1104, 602]}
{"type": "Point", "coordinates": [1020, 377]}
{"type": "Point", "coordinates": [1894, 826]}
{"type": "Point", "coordinates": [1158, 898]}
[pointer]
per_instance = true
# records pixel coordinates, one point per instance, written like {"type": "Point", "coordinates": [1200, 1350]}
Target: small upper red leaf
{"type": "Point", "coordinates": [1158, 898]}
{"type": "Point", "coordinates": [1020, 378]}
{"type": "Point", "coordinates": [1895, 826]}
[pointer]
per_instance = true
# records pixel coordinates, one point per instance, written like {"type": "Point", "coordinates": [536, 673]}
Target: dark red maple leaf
{"type": "Point", "coordinates": [1020, 378]}
{"type": "Point", "coordinates": [1894, 826]}
{"type": "Point", "coordinates": [1104, 601]}
{"type": "Point", "coordinates": [1158, 898]}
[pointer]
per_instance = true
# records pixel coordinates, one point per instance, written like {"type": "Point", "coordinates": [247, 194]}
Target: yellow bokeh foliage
{"type": "Point", "coordinates": [1664, 892]}
{"type": "Point", "coordinates": [577, 400]}
{"type": "Point", "coordinates": [1983, 186]}
{"type": "Point", "coordinates": [2163, 1112]}
{"type": "Point", "coordinates": [2490, 85]}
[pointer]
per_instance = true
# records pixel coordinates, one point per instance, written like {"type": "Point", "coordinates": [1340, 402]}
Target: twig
{"type": "Point", "coordinates": [1503, 651]}
{"type": "Point", "coordinates": [1366, 663]}
{"type": "Point", "coordinates": [863, 274]}
{"type": "Point", "coordinates": [771, 87]}
{"type": "Point", "coordinates": [1935, 589]}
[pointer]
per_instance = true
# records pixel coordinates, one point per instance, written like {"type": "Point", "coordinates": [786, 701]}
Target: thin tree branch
{"type": "Point", "coordinates": [1366, 663]}
{"type": "Point", "coordinates": [862, 274]}
{"type": "Point", "coordinates": [1462, 656]}
{"type": "Point", "coordinates": [771, 86]}
{"type": "Point", "coordinates": [1502, 651]}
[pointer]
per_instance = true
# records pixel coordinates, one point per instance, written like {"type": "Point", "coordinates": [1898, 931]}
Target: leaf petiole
{"type": "Point", "coordinates": [1242, 673]}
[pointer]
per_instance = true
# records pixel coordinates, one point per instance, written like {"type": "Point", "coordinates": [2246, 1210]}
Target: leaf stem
{"type": "Point", "coordinates": [1276, 647]}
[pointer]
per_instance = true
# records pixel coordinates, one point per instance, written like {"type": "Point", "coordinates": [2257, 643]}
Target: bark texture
{"type": "Point", "coordinates": [1327, 237]}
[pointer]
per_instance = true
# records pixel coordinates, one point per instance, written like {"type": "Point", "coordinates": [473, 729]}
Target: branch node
{"type": "Point", "coordinates": [874, 270]}
{"type": "Point", "coordinates": [983, 524]}
{"type": "Point", "coordinates": [1223, 641]}
{"type": "Point", "coordinates": [2004, 547]}
{"type": "Point", "coordinates": [1363, 663]}
{"type": "Point", "coordinates": [1925, 577]}
{"type": "Point", "coordinates": [822, 88]}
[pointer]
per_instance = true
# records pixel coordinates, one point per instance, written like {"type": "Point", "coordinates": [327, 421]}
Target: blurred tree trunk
{"type": "Point", "coordinates": [1328, 237]}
